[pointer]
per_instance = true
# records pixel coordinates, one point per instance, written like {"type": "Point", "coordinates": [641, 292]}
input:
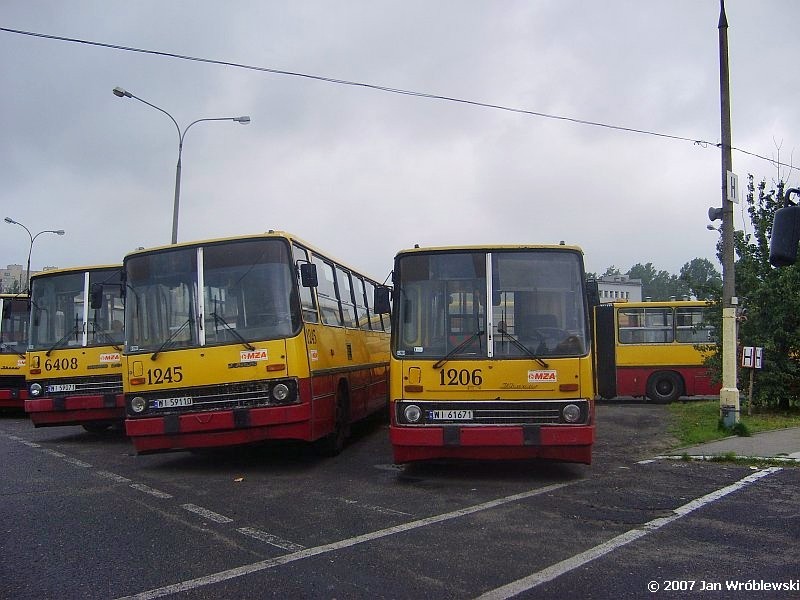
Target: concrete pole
{"type": "Point", "coordinates": [729, 394]}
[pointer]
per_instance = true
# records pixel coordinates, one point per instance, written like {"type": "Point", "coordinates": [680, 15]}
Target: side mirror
{"type": "Point", "coordinates": [380, 301]}
{"type": "Point", "coordinates": [785, 236]}
{"type": "Point", "coordinates": [308, 274]}
{"type": "Point", "coordinates": [592, 293]}
{"type": "Point", "coordinates": [96, 296]}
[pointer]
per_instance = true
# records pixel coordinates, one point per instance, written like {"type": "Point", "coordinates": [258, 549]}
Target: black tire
{"type": "Point", "coordinates": [664, 387]}
{"type": "Point", "coordinates": [333, 443]}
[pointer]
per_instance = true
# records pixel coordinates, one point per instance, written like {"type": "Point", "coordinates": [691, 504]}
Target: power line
{"type": "Point", "coordinates": [391, 90]}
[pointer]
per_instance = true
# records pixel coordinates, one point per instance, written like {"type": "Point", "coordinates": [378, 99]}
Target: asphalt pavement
{"type": "Point", "coordinates": [780, 444]}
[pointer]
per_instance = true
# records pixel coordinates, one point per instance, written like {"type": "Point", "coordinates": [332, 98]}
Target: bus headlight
{"type": "Point", "coordinates": [138, 404]}
{"type": "Point", "coordinates": [280, 392]}
{"type": "Point", "coordinates": [36, 389]}
{"type": "Point", "coordinates": [571, 413]}
{"type": "Point", "coordinates": [412, 413]}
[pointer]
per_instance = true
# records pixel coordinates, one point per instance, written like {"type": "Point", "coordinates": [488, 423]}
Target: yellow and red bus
{"type": "Point", "coordinates": [13, 342]}
{"type": "Point", "coordinates": [75, 348]}
{"type": "Point", "coordinates": [491, 354]}
{"type": "Point", "coordinates": [248, 339]}
{"type": "Point", "coordinates": [654, 349]}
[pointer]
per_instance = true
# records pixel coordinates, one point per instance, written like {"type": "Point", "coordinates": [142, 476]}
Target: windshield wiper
{"type": "Point", "coordinates": [521, 346]}
{"type": "Point", "coordinates": [75, 329]}
{"type": "Point", "coordinates": [439, 363]}
{"type": "Point", "coordinates": [172, 336]}
{"type": "Point", "coordinates": [236, 334]}
{"type": "Point", "coordinates": [4, 346]}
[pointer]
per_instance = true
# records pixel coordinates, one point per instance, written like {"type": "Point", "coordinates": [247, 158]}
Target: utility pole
{"type": "Point", "coordinates": [729, 394]}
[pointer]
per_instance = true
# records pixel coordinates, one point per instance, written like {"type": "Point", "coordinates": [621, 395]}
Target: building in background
{"type": "Point", "coordinates": [615, 288]}
{"type": "Point", "coordinates": [12, 278]}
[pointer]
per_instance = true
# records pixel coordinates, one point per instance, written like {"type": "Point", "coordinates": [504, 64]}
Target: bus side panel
{"type": "Point", "coordinates": [605, 351]}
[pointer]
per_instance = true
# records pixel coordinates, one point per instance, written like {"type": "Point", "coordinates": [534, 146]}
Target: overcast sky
{"type": "Point", "coordinates": [363, 173]}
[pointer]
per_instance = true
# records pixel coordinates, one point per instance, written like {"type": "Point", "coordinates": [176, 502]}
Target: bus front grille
{"type": "Point", "coordinates": [538, 412]}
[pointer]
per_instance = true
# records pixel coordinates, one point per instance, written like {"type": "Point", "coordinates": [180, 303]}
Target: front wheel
{"type": "Point", "coordinates": [664, 387]}
{"type": "Point", "coordinates": [333, 443]}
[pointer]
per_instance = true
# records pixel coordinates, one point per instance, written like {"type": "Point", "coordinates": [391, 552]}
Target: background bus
{"type": "Point", "coordinates": [491, 354]}
{"type": "Point", "coordinates": [75, 346]}
{"type": "Point", "coordinates": [227, 345]}
{"type": "Point", "coordinates": [13, 342]}
{"type": "Point", "coordinates": [651, 349]}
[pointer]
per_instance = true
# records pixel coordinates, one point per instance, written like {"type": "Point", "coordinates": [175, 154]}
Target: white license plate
{"type": "Point", "coordinates": [172, 402]}
{"type": "Point", "coordinates": [62, 387]}
{"type": "Point", "coordinates": [450, 415]}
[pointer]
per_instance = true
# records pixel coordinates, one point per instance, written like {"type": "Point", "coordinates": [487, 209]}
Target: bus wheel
{"type": "Point", "coordinates": [333, 443]}
{"type": "Point", "coordinates": [664, 387]}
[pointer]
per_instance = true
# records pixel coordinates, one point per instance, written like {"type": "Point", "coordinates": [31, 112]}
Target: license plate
{"type": "Point", "coordinates": [61, 387]}
{"type": "Point", "coordinates": [172, 402]}
{"type": "Point", "coordinates": [450, 415]}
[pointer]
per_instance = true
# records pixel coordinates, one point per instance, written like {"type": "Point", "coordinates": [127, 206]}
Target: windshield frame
{"type": "Point", "coordinates": [441, 309]}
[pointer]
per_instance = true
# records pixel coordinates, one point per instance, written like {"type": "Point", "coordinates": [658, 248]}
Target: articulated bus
{"type": "Point", "coordinates": [75, 348]}
{"type": "Point", "coordinates": [653, 349]}
{"type": "Point", "coordinates": [491, 354]}
{"type": "Point", "coordinates": [248, 339]}
{"type": "Point", "coordinates": [13, 342]}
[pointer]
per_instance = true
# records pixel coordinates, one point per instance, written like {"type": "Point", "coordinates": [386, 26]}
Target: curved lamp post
{"type": "Point", "coordinates": [30, 249]}
{"type": "Point", "coordinates": [244, 120]}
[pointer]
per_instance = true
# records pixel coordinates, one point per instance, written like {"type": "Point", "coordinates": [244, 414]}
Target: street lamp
{"type": "Point", "coordinates": [244, 120]}
{"type": "Point", "coordinates": [30, 249]}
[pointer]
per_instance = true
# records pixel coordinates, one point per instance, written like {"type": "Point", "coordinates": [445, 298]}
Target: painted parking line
{"type": "Point", "coordinates": [206, 514]}
{"type": "Point", "coordinates": [531, 581]}
{"type": "Point", "coordinates": [270, 563]}
{"type": "Point", "coordinates": [152, 491]}
{"type": "Point", "coordinates": [273, 540]}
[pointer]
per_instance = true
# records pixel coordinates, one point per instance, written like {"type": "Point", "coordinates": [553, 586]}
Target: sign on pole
{"type": "Point", "coordinates": [733, 187]}
{"type": "Point", "coordinates": [752, 357]}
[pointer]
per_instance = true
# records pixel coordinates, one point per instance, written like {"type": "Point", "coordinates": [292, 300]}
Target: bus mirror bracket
{"type": "Point", "coordinates": [96, 296]}
{"type": "Point", "coordinates": [381, 300]}
{"type": "Point", "coordinates": [308, 274]}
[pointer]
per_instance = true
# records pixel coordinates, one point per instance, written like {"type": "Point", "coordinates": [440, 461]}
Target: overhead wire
{"type": "Point", "coordinates": [388, 89]}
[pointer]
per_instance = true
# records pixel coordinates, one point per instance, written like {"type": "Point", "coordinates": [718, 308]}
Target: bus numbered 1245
{"type": "Point", "coordinates": [655, 349]}
{"type": "Point", "coordinates": [248, 339]}
{"type": "Point", "coordinates": [75, 348]}
{"type": "Point", "coordinates": [491, 354]}
{"type": "Point", "coordinates": [13, 342]}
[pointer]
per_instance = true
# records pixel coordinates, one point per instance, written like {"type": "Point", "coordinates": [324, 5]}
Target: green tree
{"type": "Point", "coordinates": [658, 285]}
{"type": "Point", "coordinates": [701, 278]}
{"type": "Point", "coordinates": [771, 298]}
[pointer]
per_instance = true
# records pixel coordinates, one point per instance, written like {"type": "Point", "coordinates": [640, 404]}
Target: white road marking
{"type": "Point", "coordinates": [148, 490]}
{"type": "Point", "coordinates": [359, 539]}
{"type": "Point", "coordinates": [76, 462]}
{"type": "Point", "coordinates": [273, 540]}
{"type": "Point", "coordinates": [113, 476]}
{"type": "Point", "coordinates": [208, 514]}
{"type": "Point", "coordinates": [531, 581]}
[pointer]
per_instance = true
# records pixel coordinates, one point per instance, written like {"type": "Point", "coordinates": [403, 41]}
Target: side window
{"type": "Point", "coordinates": [307, 302]}
{"type": "Point", "coordinates": [346, 297]}
{"type": "Point", "coordinates": [362, 316]}
{"type": "Point", "coordinates": [326, 293]}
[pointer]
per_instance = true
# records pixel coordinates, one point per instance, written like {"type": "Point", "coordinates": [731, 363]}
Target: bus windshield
{"type": "Point", "coordinates": [62, 315]}
{"type": "Point", "coordinates": [499, 304]}
{"type": "Point", "coordinates": [249, 293]}
{"type": "Point", "coordinates": [14, 325]}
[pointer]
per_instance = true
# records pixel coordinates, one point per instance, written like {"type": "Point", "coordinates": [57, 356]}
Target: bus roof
{"type": "Point", "coordinates": [659, 303]}
{"type": "Point", "coordinates": [66, 270]}
{"type": "Point", "coordinates": [490, 247]}
{"type": "Point", "coordinates": [272, 233]}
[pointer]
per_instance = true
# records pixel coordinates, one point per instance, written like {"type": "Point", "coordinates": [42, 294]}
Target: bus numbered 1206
{"type": "Point", "coordinates": [491, 354]}
{"type": "Point", "coordinates": [248, 339]}
{"type": "Point", "coordinates": [75, 348]}
{"type": "Point", "coordinates": [13, 342]}
{"type": "Point", "coordinates": [654, 349]}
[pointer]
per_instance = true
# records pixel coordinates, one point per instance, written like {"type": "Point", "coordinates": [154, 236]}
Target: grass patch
{"type": "Point", "coordinates": [697, 422]}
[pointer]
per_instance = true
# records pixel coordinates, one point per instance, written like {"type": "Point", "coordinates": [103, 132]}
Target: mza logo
{"type": "Point", "coordinates": [542, 376]}
{"type": "Point", "coordinates": [251, 355]}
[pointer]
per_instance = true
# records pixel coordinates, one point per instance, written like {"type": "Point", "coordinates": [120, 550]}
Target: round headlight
{"type": "Point", "coordinates": [412, 413]}
{"type": "Point", "coordinates": [36, 389]}
{"type": "Point", "coordinates": [138, 404]}
{"type": "Point", "coordinates": [571, 413]}
{"type": "Point", "coordinates": [280, 392]}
